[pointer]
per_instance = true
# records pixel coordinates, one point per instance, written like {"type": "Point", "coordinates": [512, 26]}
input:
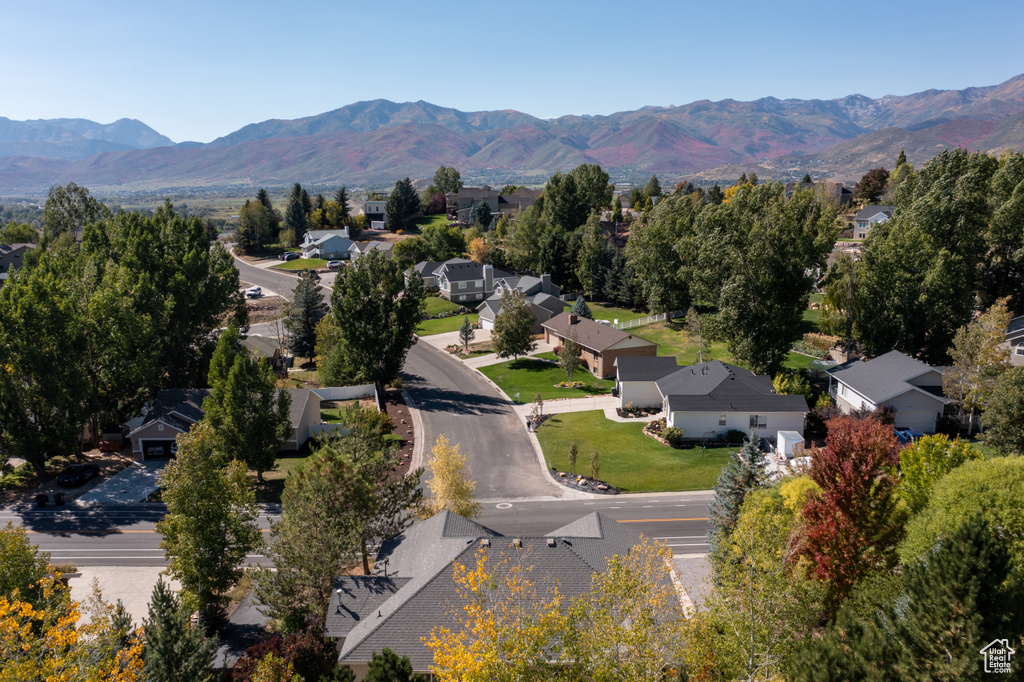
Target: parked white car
{"type": "Point", "coordinates": [253, 292]}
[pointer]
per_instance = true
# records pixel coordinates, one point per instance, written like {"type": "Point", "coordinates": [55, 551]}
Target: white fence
{"type": "Point", "coordinates": [346, 392]}
{"type": "Point", "coordinates": [650, 319]}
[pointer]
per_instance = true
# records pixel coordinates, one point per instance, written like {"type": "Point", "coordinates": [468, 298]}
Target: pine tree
{"type": "Point", "coordinates": [263, 197]}
{"type": "Point", "coordinates": [581, 309]}
{"type": "Point", "coordinates": [388, 667]}
{"type": "Point", "coordinates": [617, 209]}
{"type": "Point", "coordinates": [341, 198]}
{"type": "Point", "coordinates": [653, 187]}
{"type": "Point", "coordinates": [466, 333]}
{"type": "Point", "coordinates": [901, 159]}
{"type": "Point", "coordinates": [173, 651]}
{"type": "Point", "coordinates": [304, 314]}
{"type": "Point", "coordinates": [744, 472]}
{"type": "Point", "coordinates": [806, 179]}
{"type": "Point", "coordinates": [296, 219]}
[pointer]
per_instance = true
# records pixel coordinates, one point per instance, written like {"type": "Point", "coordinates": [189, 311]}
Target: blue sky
{"type": "Point", "coordinates": [198, 70]}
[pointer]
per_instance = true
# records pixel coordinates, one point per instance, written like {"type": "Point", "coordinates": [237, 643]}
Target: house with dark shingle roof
{"type": "Point", "coordinates": [602, 343]}
{"type": "Point", "coordinates": [360, 249]}
{"type": "Point", "coordinates": [11, 258]}
{"type": "Point", "coordinates": [460, 280]}
{"type": "Point", "coordinates": [710, 398]}
{"type": "Point", "coordinates": [868, 217]}
{"type": "Point", "coordinates": [1013, 341]}
{"type": "Point", "coordinates": [540, 293]}
{"type": "Point", "coordinates": [911, 387]}
{"type": "Point", "coordinates": [428, 270]}
{"type": "Point", "coordinates": [176, 410]}
{"type": "Point", "coordinates": [412, 589]}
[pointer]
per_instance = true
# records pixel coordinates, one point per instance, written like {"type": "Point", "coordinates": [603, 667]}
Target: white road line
{"type": "Point", "coordinates": [689, 544]}
{"type": "Point", "coordinates": [682, 537]}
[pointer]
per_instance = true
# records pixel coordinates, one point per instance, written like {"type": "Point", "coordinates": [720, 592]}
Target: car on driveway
{"type": "Point", "coordinates": [253, 292]}
{"type": "Point", "coordinates": [77, 474]}
{"type": "Point", "coordinates": [291, 255]}
{"type": "Point", "coordinates": [333, 264]}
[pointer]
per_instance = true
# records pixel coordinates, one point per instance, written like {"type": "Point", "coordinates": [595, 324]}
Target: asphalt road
{"type": "Point", "coordinates": [127, 537]}
{"type": "Point", "coordinates": [458, 403]}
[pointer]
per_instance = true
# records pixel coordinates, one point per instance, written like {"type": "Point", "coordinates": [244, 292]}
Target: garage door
{"type": "Point", "coordinates": [487, 324]}
{"type": "Point", "coordinates": [920, 420]}
{"type": "Point", "coordinates": [156, 449]}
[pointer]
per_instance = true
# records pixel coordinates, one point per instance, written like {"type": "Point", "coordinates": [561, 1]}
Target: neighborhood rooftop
{"type": "Point", "coordinates": [884, 377]}
{"type": "Point", "coordinates": [589, 334]}
{"type": "Point", "coordinates": [720, 386]}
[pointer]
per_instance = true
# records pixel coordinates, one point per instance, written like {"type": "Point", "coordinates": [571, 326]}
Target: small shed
{"type": "Point", "coordinates": [789, 444]}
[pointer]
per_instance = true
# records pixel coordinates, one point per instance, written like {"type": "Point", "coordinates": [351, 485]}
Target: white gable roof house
{"type": "Point", "coordinates": [541, 295]}
{"type": "Point", "coordinates": [329, 244]}
{"type": "Point", "coordinates": [868, 217]}
{"type": "Point", "coordinates": [911, 387]}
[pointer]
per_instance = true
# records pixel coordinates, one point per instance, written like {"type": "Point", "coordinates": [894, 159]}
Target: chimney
{"type": "Point", "coordinates": [517, 543]}
{"type": "Point", "coordinates": [545, 283]}
{"type": "Point", "coordinates": [485, 542]}
{"type": "Point", "coordinates": [573, 319]}
{"type": "Point", "coordinates": [488, 278]}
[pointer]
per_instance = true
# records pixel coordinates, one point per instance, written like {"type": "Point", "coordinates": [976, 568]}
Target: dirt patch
{"type": "Point", "coordinates": [109, 463]}
{"type": "Point", "coordinates": [394, 405]}
{"type": "Point", "coordinates": [266, 309]}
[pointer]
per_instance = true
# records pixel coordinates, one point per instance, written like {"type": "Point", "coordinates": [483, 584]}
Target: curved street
{"type": "Point", "coordinates": [457, 402]}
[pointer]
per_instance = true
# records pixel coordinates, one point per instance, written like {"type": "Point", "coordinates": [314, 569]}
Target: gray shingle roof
{"type": "Point", "coordinates": [465, 270]}
{"type": "Point", "coordinates": [884, 377]}
{"type": "Point", "coordinates": [423, 556]}
{"type": "Point", "coordinates": [589, 334]}
{"type": "Point", "coordinates": [871, 211]}
{"type": "Point", "coordinates": [1015, 327]}
{"type": "Point", "coordinates": [645, 368]}
{"type": "Point", "coordinates": [721, 387]}
{"type": "Point", "coordinates": [188, 402]}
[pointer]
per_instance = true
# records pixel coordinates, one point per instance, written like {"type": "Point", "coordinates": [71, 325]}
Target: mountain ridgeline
{"type": "Point", "coordinates": [377, 141]}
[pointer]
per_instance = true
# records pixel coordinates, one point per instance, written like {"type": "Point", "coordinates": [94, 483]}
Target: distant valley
{"type": "Point", "coordinates": [375, 143]}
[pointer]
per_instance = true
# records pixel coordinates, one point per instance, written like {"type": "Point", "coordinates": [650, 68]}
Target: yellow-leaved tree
{"type": "Point", "coordinates": [449, 484]}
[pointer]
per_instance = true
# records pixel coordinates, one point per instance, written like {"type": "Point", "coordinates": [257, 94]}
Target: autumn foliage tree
{"type": "Point", "coordinates": [449, 484]}
{"type": "Point", "coordinates": [853, 521]}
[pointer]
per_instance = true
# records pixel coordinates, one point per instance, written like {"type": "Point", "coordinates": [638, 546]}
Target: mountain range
{"type": "Point", "coordinates": [379, 141]}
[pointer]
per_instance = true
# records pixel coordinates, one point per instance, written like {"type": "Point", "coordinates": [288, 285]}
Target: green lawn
{"type": "Point", "coordinates": [629, 460]}
{"type": "Point", "coordinates": [530, 376]}
{"type": "Point", "coordinates": [443, 324]}
{"type": "Point", "coordinates": [301, 264]}
{"type": "Point", "coordinates": [437, 305]}
{"type": "Point", "coordinates": [611, 313]}
{"type": "Point", "coordinates": [272, 487]}
{"type": "Point", "coordinates": [673, 340]}
{"type": "Point", "coordinates": [438, 219]}
{"type": "Point", "coordinates": [546, 356]}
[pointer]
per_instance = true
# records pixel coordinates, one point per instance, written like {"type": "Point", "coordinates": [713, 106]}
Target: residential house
{"type": "Point", "coordinates": [428, 270]}
{"type": "Point", "coordinates": [540, 294]}
{"type": "Point", "coordinates": [709, 399]}
{"type": "Point", "coordinates": [460, 204]}
{"type": "Point", "coordinates": [836, 191]}
{"type": "Point", "coordinates": [412, 589]}
{"type": "Point", "coordinates": [327, 244]}
{"type": "Point", "coordinates": [267, 347]}
{"type": "Point", "coordinates": [360, 249]}
{"type": "Point", "coordinates": [615, 233]}
{"type": "Point", "coordinates": [1014, 341]}
{"type": "Point", "coordinates": [467, 281]}
{"type": "Point", "coordinates": [911, 387]}
{"type": "Point", "coordinates": [374, 210]}
{"type": "Point", "coordinates": [11, 258]}
{"type": "Point", "coordinates": [602, 344]}
{"type": "Point", "coordinates": [868, 217]}
{"type": "Point", "coordinates": [175, 411]}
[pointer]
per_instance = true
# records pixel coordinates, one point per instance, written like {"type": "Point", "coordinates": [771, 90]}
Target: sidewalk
{"type": "Point", "coordinates": [605, 403]}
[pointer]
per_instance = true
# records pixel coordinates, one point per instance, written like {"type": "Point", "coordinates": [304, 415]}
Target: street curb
{"type": "Point", "coordinates": [417, 425]}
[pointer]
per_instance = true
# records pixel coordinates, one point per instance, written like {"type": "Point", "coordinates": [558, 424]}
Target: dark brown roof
{"type": "Point", "coordinates": [589, 334]}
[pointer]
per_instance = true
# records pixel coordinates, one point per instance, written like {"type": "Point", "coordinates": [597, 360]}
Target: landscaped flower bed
{"type": "Point", "coordinates": [631, 412]}
{"type": "Point", "coordinates": [583, 483]}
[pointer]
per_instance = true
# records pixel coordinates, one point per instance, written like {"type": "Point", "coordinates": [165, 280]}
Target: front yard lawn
{"type": "Point", "coordinates": [443, 324]}
{"type": "Point", "coordinates": [437, 305]}
{"type": "Point", "coordinates": [301, 264]}
{"type": "Point", "coordinates": [528, 377]}
{"type": "Point", "coordinates": [272, 487]}
{"type": "Point", "coordinates": [629, 460]}
{"type": "Point", "coordinates": [672, 339]}
{"type": "Point", "coordinates": [424, 221]}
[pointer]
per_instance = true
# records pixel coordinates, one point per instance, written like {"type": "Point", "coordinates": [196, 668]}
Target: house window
{"type": "Point", "coordinates": [758, 421]}
{"type": "Point", "coordinates": [462, 285]}
{"type": "Point", "coordinates": [721, 420]}
{"type": "Point", "coordinates": [1020, 350]}
{"type": "Point", "coordinates": [159, 427]}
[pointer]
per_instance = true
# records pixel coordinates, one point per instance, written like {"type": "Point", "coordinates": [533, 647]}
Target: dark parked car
{"type": "Point", "coordinates": [291, 255]}
{"type": "Point", "coordinates": [77, 474]}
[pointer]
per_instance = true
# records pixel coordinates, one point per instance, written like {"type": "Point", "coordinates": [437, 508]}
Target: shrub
{"type": "Point", "coordinates": [673, 436]}
{"type": "Point", "coordinates": [735, 436]}
{"type": "Point", "coordinates": [821, 342]}
{"type": "Point", "coordinates": [396, 382]}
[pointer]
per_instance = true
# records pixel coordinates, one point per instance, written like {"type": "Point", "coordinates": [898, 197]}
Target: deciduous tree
{"type": "Point", "coordinates": [513, 328]}
{"type": "Point", "coordinates": [210, 525]}
{"type": "Point", "coordinates": [871, 185]}
{"type": "Point", "coordinates": [978, 360]}
{"type": "Point", "coordinates": [447, 179]}
{"type": "Point", "coordinates": [853, 520]}
{"type": "Point", "coordinates": [69, 208]}
{"type": "Point", "coordinates": [569, 358]}
{"type": "Point", "coordinates": [925, 462]}
{"type": "Point", "coordinates": [449, 483]}
{"type": "Point", "coordinates": [1004, 419]}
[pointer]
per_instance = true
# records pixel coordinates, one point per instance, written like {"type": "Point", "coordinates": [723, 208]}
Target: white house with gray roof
{"type": "Point", "coordinates": [911, 387]}
{"type": "Point", "coordinates": [540, 293]}
{"type": "Point", "coordinates": [710, 398]}
{"type": "Point", "coordinates": [1014, 341]}
{"type": "Point", "coordinates": [868, 217]}
{"type": "Point", "coordinates": [327, 244]}
{"type": "Point", "coordinates": [412, 589]}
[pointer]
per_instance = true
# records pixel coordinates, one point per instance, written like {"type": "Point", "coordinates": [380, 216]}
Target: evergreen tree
{"type": "Point", "coordinates": [466, 333]}
{"type": "Point", "coordinates": [304, 314]}
{"type": "Point", "coordinates": [652, 188]}
{"type": "Point", "coordinates": [341, 198]}
{"type": "Point", "coordinates": [806, 179]}
{"type": "Point", "coordinates": [581, 309]}
{"type": "Point", "coordinates": [296, 219]}
{"type": "Point", "coordinates": [901, 159]}
{"type": "Point", "coordinates": [172, 651]}
{"type": "Point", "coordinates": [715, 195]}
{"type": "Point", "coordinates": [1004, 419]}
{"type": "Point", "coordinates": [263, 197]}
{"type": "Point", "coordinates": [744, 472]}
{"type": "Point", "coordinates": [617, 209]}
{"type": "Point", "coordinates": [402, 203]}
{"type": "Point", "coordinates": [482, 215]}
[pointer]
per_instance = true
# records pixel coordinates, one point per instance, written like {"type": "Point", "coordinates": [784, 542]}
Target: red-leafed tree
{"type": "Point", "coordinates": [854, 522]}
